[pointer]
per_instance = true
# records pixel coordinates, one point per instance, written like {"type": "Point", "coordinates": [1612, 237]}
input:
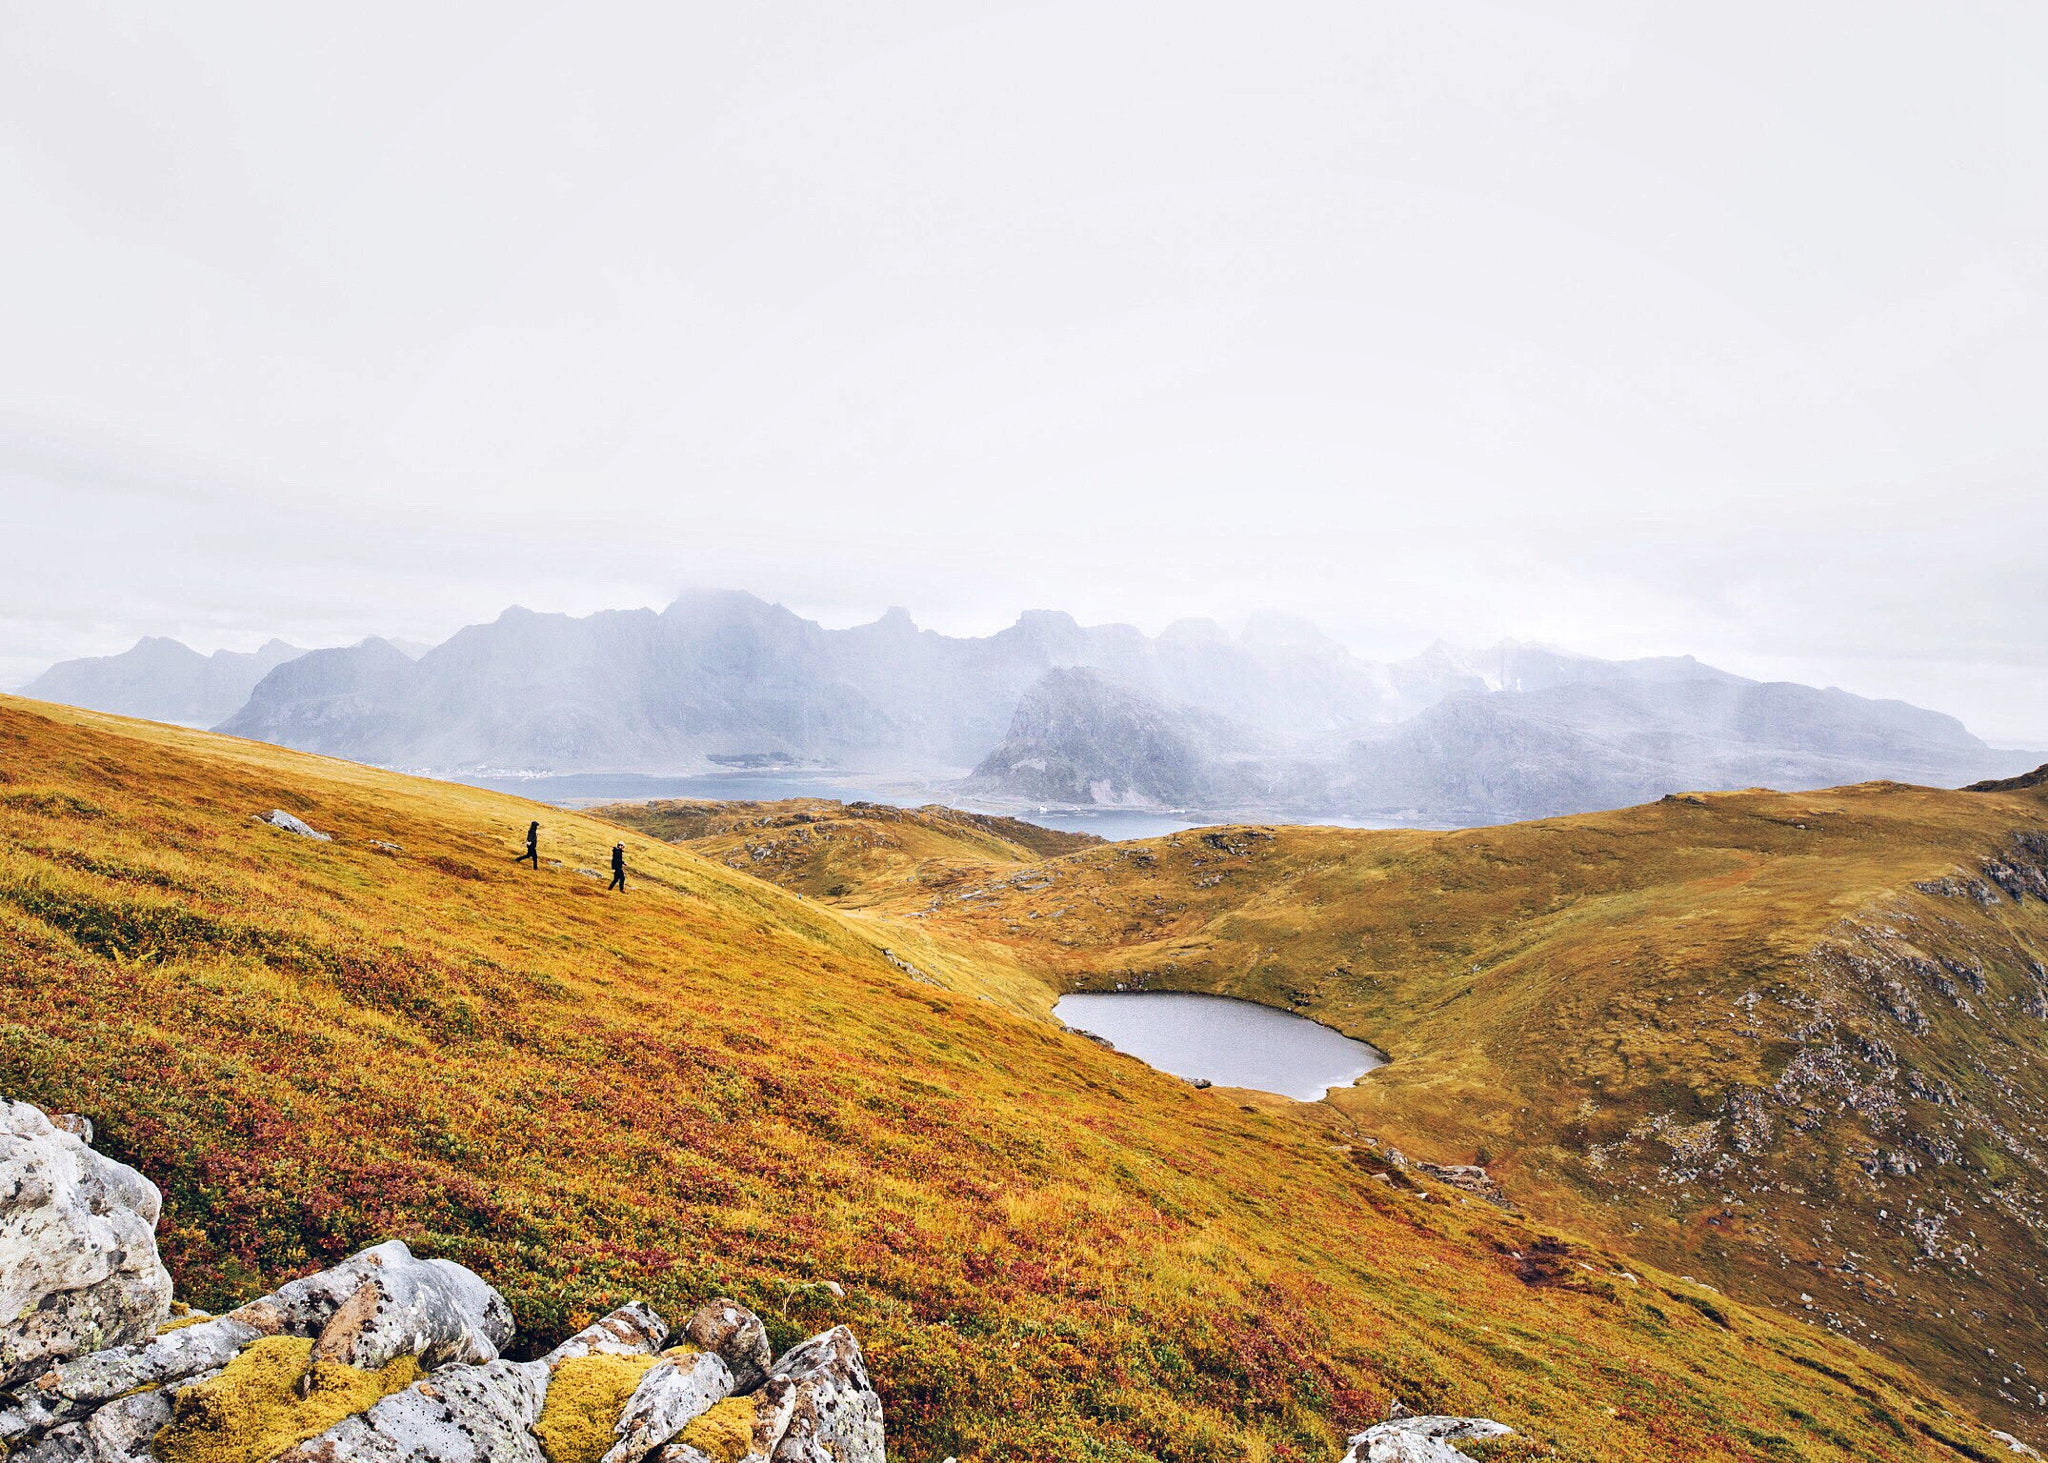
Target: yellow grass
{"type": "Point", "coordinates": [710, 1086]}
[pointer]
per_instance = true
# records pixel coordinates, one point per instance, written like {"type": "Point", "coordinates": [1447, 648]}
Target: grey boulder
{"type": "Point", "coordinates": [1421, 1439]}
{"type": "Point", "coordinates": [675, 1390]}
{"type": "Point", "coordinates": [402, 1306]}
{"type": "Point", "coordinates": [737, 1335]}
{"type": "Point", "coordinates": [460, 1414]}
{"type": "Point", "coordinates": [78, 1263]}
{"type": "Point", "coordinates": [835, 1416]}
{"type": "Point", "coordinates": [279, 818]}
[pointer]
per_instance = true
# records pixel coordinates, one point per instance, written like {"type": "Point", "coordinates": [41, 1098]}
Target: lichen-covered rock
{"type": "Point", "coordinates": [368, 1311]}
{"type": "Point", "coordinates": [737, 1335]}
{"type": "Point", "coordinates": [460, 1414]}
{"type": "Point", "coordinates": [466, 1414]}
{"type": "Point", "coordinates": [631, 1330]}
{"type": "Point", "coordinates": [835, 1416]}
{"type": "Point", "coordinates": [681, 1386]}
{"type": "Point", "coordinates": [120, 1432]}
{"type": "Point", "coordinates": [72, 1389]}
{"type": "Point", "coordinates": [268, 1398]}
{"type": "Point", "coordinates": [385, 1302]}
{"type": "Point", "coordinates": [78, 1261]}
{"type": "Point", "coordinates": [404, 1306]}
{"type": "Point", "coordinates": [738, 1430]}
{"type": "Point", "coordinates": [329, 1369]}
{"type": "Point", "coordinates": [1421, 1439]}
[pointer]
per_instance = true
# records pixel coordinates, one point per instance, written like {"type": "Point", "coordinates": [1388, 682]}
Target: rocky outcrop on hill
{"type": "Point", "coordinates": [78, 1261]}
{"type": "Point", "coordinates": [2026, 780]}
{"type": "Point", "coordinates": [384, 1358]}
{"type": "Point", "coordinates": [279, 818]}
{"type": "Point", "coordinates": [1421, 1439]}
{"type": "Point", "coordinates": [389, 1357]}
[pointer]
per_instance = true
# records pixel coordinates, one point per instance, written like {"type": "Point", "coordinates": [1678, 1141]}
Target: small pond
{"type": "Point", "coordinates": [1229, 1042]}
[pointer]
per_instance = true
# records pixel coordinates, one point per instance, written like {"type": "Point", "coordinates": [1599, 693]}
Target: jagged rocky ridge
{"type": "Point", "coordinates": [385, 1357]}
{"type": "Point", "coordinates": [163, 680]}
{"type": "Point", "coordinates": [1276, 721]}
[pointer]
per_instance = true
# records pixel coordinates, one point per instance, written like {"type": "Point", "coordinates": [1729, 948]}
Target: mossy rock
{"type": "Point", "coordinates": [725, 1434]}
{"type": "Point", "coordinates": [253, 1410]}
{"type": "Point", "coordinates": [585, 1399]}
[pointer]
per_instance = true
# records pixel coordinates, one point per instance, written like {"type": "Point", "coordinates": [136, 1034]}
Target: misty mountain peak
{"type": "Point", "coordinates": [1285, 632]}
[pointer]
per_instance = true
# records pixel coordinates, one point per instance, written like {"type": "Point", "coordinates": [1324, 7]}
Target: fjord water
{"type": "Point", "coordinates": [1229, 1042]}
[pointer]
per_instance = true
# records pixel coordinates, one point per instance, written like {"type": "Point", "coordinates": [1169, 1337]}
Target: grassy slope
{"type": "Point", "coordinates": [712, 1086]}
{"type": "Point", "coordinates": [1726, 1031]}
{"type": "Point", "coordinates": [855, 854]}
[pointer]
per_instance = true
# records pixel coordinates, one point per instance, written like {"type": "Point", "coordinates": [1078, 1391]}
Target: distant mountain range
{"type": "Point", "coordinates": [1276, 721]}
{"type": "Point", "coordinates": [163, 680]}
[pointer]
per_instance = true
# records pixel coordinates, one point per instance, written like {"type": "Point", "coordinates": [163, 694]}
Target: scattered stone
{"type": "Point", "coordinates": [279, 818]}
{"type": "Point", "coordinates": [737, 1336]}
{"type": "Point", "coordinates": [835, 1415]}
{"type": "Point", "coordinates": [402, 1306]}
{"type": "Point", "coordinates": [78, 1261]}
{"type": "Point", "coordinates": [2014, 1445]}
{"type": "Point", "coordinates": [631, 1330]}
{"type": "Point", "coordinates": [385, 846]}
{"type": "Point", "coordinates": [1470, 1177]}
{"type": "Point", "coordinates": [679, 1388]}
{"type": "Point", "coordinates": [1421, 1439]}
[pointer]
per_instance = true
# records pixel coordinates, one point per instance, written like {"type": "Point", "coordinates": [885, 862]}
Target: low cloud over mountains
{"type": "Point", "coordinates": [1275, 721]}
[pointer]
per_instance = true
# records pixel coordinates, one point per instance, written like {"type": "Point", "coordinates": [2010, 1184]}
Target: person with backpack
{"type": "Point", "coordinates": [532, 847]}
{"type": "Point", "coordinates": [618, 869]}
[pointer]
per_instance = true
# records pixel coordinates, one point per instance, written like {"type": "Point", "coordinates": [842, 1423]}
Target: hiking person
{"type": "Point", "coordinates": [618, 869]}
{"type": "Point", "coordinates": [532, 847]}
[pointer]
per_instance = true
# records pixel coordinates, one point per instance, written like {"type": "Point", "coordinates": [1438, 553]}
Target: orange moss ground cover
{"type": "Point", "coordinates": [1787, 1042]}
{"type": "Point", "coordinates": [710, 1086]}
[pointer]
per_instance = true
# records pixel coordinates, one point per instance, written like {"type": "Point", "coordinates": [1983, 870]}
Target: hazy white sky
{"type": "Point", "coordinates": [1637, 328]}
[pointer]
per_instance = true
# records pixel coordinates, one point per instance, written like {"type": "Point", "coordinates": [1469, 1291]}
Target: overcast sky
{"type": "Point", "coordinates": [1640, 328]}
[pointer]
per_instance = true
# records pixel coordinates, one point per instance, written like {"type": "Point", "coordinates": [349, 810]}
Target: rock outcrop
{"type": "Point", "coordinates": [1421, 1439]}
{"type": "Point", "coordinates": [279, 818]}
{"type": "Point", "coordinates": [1471, 1178]}
{"type": "Point", "coordinates": [384, 1358]}
{"type": "Point", "coordinates": [78, 1262]}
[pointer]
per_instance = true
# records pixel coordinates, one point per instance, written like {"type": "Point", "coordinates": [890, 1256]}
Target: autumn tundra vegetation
{"type": "Point", "coordinates": [844, 1103]}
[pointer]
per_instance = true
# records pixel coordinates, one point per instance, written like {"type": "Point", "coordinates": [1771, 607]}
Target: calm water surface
{"type": "Point", "coordinates": [1231, 1043]}
{"type": "Point", "coordinates": [581, 789]}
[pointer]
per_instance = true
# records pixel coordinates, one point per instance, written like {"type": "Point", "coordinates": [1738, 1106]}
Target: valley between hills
{"type": "Point", "coordinates": [1756, 1071]}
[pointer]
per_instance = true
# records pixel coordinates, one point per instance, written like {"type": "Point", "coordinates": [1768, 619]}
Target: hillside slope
{"type": "Point", "coordinates": [711, 1086]}
{"type": "Point", "coordinates": [1787, 1042]}
{"type": "Point", "coordinates": [854, 854]}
